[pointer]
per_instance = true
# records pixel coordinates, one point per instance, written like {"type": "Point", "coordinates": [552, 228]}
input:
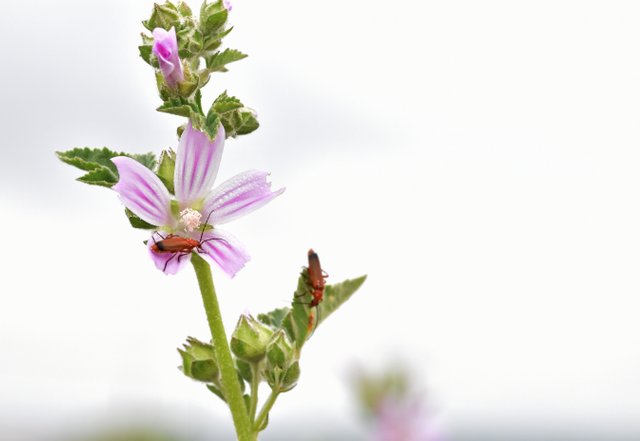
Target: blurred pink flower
{"type": "Point", "coordinates": [402, 421]}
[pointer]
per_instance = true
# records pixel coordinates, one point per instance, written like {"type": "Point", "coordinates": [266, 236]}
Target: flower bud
{"type": "Point", "coordinates": [250, 338]}
{"type": "Point", "coordinates": [282, 369]}
{"type": "Point", "coordinates": [213, 16]}
{"type": "Point", "coordinates": [280, 351]}
{"type": "Point", "coordinates": [199, 361]}
{"type": "Point", "coordinates": [163, 16]}
{"type": "Point", "coordinates": [165, 48]}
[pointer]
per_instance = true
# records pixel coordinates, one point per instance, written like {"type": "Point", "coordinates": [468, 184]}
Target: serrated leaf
{"type": "Point", "coordinates": [296, 322]}
{"type": "Point", "coordinates": [146, 159]}
{"type": "Point", "coordinates": [97, 162]}
{"type": "Point", "coordinates": [101, 176]}
{"type": "Point", "coordinates": [178, 106]}
{"type": "Point", "coordinates": [219, 60]}
{"type": "Point", "coordinates": [145, 52]}
{"type": "Point", "coordinates": [166, 168]}
{"type": "Point", "coordinates": [225, 103]}
{"type": "Point", "coordinates": [211, 124]}
{"type": "Point", "coordinates": [136, 222]}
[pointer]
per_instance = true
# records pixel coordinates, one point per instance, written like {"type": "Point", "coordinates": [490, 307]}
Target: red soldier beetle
{"type": "Point", "coordinates": [180, 246]}
{"type": "Point", "coordinates": [316, 277]}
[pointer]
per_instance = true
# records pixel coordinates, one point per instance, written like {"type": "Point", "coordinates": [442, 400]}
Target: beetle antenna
{"type": "Point", "coordinates": [204, 226]}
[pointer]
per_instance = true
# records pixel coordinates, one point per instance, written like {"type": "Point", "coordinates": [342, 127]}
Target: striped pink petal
{"type": "Point", "coordinates": [197, 163]}
{"type": "Point", "coordinates": [239, 195]}
{"type": "Point", "coordinates": [225, 250]}
{"type": "Point", "coordinates": [142, 192]}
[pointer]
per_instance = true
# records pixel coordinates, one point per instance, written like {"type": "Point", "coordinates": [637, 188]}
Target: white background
{"type": "Point", "coordinates": [479, 160]}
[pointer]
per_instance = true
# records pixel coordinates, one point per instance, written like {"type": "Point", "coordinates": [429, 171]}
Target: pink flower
{"type": "Point", "coordinates": [398, 420]}
{"type": "Point", "coordinates": [197, 210]}
{"type": "Point", "coordinates": [165, 48]}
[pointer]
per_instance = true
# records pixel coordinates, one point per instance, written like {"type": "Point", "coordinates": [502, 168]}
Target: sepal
{"type": "Point", "coordinates": [166, 168]}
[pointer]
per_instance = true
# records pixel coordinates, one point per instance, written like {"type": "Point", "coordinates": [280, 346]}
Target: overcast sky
{"type": "Point", "coordinates": [479, 160]}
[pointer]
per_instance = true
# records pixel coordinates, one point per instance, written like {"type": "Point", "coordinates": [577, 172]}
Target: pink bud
{"type": "Point", "coordinates": [165, 48]}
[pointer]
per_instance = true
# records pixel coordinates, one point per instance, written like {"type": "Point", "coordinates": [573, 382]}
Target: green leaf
{"type": "Point", "coordinates": [136, 222]}
{"type": "Point", "coordinates": [336, 295]}
{"type": "Point", "coordinates": [247, 401]}
{"type": "Point", "coordinates": [145, 52]}
{"type": "Point", "coordinates": [236, 119]}
{"type": "Point", "coordinates": [216, 391]}
{"type": "Point", "coordinates": [146, 159]}
{"type": "Point", "coordinates": [213, 41]}
{"type": "Point", "coordinates": [218, 61]}
{"type": "Point", "coordinates": [296, 320]}
{"type": "Point", "coordinates": [97, 162]}
{"type": "Point", "coordinates": [166, 168]}
{"type": "Point", "coordinates": [244, 370]}
{"type": "Point", "coordinates": [101, 176]}
{"type": "Point", "coordinates": [179, 106]}
{"type": "Point", "coordinates": [211, 124]}
{"type": "Point", "coordinates": [225, 103]}
{"type": "Point", "coordinates": [274, 318]}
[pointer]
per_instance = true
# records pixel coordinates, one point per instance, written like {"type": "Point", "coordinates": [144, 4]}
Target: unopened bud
{"type": "Point", "coordinates": [199, 361]}
{"type": "Point", "coordinates": [250, 338]}
{"type": "Point", "coordinates": [279, 351]}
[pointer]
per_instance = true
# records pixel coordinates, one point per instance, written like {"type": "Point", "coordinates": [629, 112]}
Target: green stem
{"type": "Point", "coordinates": [229, 377]}
{"type": "Point", "coordinates": [255, 382]}
{"type": "Point", "coordinates": [266, 408]}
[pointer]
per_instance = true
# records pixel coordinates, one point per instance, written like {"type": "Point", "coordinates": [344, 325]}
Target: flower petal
{"type": "Point", "coordinates": [197, 163]}
{"type": "Point", "coordinates": [142, 192]}
{"type": "Point", "coordinates": [239, 195]}
{"type": "Point", "coordinates": [225, 250]}
{"type": "Point", "coordinates": [169, 263]}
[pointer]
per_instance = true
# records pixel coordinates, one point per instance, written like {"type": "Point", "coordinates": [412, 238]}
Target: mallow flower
{"type": "Point", "coordinates": [165, 48]}
{"type": "Point", "coordinates": [196, 210]}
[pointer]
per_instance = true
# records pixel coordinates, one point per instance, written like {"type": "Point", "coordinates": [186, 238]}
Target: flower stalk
{"type": "Point", "coordinates": [258, 425]}
{"type": "Point", "coordinates": [255, 382]}
{"type": "Point", "coordinates": [228, 375]}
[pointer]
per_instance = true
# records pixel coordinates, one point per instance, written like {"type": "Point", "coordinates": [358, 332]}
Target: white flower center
{"type": "Point", "coordinates": [190, 219]}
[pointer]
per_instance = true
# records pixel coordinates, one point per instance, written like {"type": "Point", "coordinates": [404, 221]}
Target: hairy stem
{"type": "Point", "coordinates": [266, 408]}
{"type": "Point", "coordinates": [229, 377]}
{"type": "Point", "coordinates": [255, 382]}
